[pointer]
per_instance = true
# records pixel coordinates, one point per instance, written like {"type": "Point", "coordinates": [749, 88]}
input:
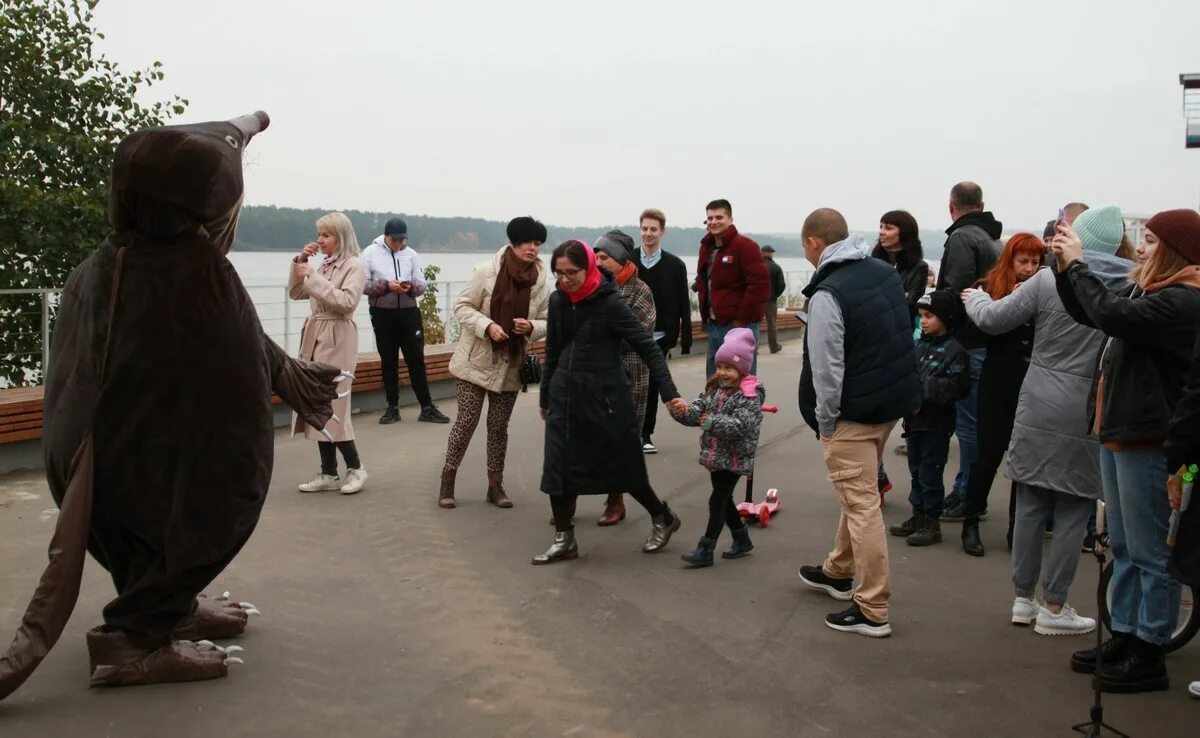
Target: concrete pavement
{"type": "Point", "coordinates": [386, 616]}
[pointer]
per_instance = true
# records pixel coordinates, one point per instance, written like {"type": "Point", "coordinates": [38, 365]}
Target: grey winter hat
{"type": "Point", "coordinates": [618, 245]}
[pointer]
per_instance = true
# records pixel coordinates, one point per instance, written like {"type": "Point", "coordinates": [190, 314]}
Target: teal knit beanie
{"type": "Point", "coordinates": [1100, 229]}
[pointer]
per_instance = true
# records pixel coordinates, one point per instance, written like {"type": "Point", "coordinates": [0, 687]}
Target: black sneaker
{"type": "Point", "coordinates": [431, 414]}
{"type": "Point", "coordinates": [838, 589]}
{"type": "Point", "coordinates": [908, 527]}
{"type": "Point", "coordinates": [852, 620]}
{"type": "Point", "coordinates": [391, 415]}
{"type": "Point", "coordinates": [954, 514]}
{"type": "Point", "coordinates": [952, 500]}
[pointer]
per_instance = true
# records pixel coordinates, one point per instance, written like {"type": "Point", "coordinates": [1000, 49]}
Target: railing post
{"type": "Point", "coordinates": [287, 323]}
{"type": "Point", "coordinates": [45, 334]}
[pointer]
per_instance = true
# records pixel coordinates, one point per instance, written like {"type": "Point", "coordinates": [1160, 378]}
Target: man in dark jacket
{"type": "Point", "coordinates": [1183, 447]}
{"type": "Point", "coordinates": [859, 377]}
{"type": "Point", "coordinates": [778, 287]}
{"type": "Point", "coordinates": [732, 281]}
{"type": "Point", "coordinates": [666, 276]}
{"type": "Point", "coordinates": [972, 249]}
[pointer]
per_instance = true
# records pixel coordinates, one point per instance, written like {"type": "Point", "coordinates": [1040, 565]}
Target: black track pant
{"type": "Point", "coordinates": [397, 331]}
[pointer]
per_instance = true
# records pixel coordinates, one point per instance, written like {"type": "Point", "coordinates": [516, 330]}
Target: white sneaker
{"type": "Point", "coordinates": [1066, 622]}
{"type": "Point", "coordinates": [322, 483]}
{"type": "Point", "coordinates": [649, 448]}
{"type": "Point", "coordinates": [1194, 689]}
{"type": "Point", "coordinates": [355, 479]}
{"type": "Point", "coordinates": [1025, 610]}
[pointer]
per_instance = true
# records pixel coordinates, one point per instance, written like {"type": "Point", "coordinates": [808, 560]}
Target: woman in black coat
{"type": "Point", "coordinates": [899, 244]}
{"type": "Point", "coordinates": [593, 439]}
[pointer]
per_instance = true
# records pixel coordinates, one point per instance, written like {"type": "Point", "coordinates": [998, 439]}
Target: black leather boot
{"type": "Point", "coordinates": [971, 542]}
{"type": "Point", "coordinates": [1114, 649]}
{"type": "Point", "coordinates": [1144, 669]}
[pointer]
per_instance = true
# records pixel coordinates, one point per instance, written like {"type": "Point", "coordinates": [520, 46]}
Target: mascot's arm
{"type": "Point", "coordinates": [308, 387]}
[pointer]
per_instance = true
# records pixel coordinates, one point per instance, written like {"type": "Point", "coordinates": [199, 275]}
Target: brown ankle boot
{"type": "Point", "coordinates": [614, 510]}
{"type": "Point", "coordinates": [446, 495]}
{"type": "Point", "coordinates": [495, 493]}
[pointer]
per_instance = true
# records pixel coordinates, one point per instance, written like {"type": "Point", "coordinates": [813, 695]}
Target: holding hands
{"type": "Point", "coordinates": [677, 406]}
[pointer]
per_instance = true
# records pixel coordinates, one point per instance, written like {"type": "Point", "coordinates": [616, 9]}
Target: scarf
{"type": "Point", "coordinates": [591, 283]}
{"type": "Point", "coordinates": [327, 266]}
{"type": "Point", "coordinates": [629, 271]}
{"type": "Point", "coordinates": [510, 299]}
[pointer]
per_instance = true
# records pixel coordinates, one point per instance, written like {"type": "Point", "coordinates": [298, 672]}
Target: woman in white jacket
{"type": "Point", "coordinates": [502, 310]}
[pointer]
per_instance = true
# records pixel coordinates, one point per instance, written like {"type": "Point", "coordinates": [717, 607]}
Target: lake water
{"type": "Point", "coordinates": [265, 275]}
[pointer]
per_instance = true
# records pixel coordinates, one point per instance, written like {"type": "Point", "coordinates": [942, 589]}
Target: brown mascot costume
{"type": "Point", "coordinates": [158, 425]}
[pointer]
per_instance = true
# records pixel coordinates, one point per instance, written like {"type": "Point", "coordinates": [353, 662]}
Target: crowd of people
{"type": "Point", "coordinates": [1072, 353]}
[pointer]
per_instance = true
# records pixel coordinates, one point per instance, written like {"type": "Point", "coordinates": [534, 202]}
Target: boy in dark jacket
{"type": "Point", "coordinates": [944, 369]}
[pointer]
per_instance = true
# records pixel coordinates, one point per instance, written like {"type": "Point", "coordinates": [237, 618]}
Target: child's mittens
{"type": "Point", "coordinates": [706, 422]}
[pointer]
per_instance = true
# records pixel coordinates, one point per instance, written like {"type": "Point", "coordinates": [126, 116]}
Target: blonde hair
{"type": "Point", "coordinates": [343, 230]}
{"type": "Point", "coordinates": [1163, 264]}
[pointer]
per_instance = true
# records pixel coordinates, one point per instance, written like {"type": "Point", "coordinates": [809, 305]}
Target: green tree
{"type": "Point", "coordinates": [431, 319]}
{"type": "Point", "coordinates": [64, 107]}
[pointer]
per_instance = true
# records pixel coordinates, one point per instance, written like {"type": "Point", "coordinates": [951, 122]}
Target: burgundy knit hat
{"type": "Point", "coordinates": [1180, 230]}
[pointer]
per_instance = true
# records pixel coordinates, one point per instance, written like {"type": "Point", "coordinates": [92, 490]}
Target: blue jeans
{"type": "Point", "coordinates": [716, 337]}
{"type": "Point", "coordinates": [966, 427]}
{"type": "Point", "coordinates": [927, 454]}
{"type": "Point", "coordinates": [1145, 598]}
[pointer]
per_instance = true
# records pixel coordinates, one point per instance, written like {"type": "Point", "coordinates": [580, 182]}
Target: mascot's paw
{"type": "Point", "coordinates": [117, 662]}
{"type": "Point", "coordinates": [216, 618]}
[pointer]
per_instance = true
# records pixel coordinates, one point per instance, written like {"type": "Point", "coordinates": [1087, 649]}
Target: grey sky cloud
{"type": "Point", "coordinates": [585, 112]}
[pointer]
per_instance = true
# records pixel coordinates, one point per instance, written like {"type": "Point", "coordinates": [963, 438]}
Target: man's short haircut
{"type": "Point", "coordinates": [825, 224]}
{"type": "Point", "coordinates": [967, 196]}
{"type": "Point", "coordinates": [525, 229]}
{"type": "Point", "coordinates": [720, 205]}
{"type": "Point", "coordinates": [1074, 208]}
{"type": "Point", "coordinates": [654, 214]}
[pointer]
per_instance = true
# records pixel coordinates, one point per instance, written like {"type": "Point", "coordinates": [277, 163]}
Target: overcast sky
{"type": "Point", "coordinates": [583, 113]}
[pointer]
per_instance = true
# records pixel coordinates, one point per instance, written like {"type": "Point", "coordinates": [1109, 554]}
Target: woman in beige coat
{"type": "Point", "coordinates": [330, 335]}
{"type": "Point", "coordinates": [502, 310]}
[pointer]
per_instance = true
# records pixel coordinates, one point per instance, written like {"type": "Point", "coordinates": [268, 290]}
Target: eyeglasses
{"type": "Point", "coordinates": [567, 274]}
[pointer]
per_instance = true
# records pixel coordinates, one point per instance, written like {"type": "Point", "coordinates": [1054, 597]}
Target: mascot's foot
{"type": "Point", "coordinates": [117, 662]}
{"type": "Point", "coordinates": [215, 618]}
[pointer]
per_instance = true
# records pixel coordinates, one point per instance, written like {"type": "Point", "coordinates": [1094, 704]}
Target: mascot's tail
{"type": "Point", "coordinates": [56, 593]}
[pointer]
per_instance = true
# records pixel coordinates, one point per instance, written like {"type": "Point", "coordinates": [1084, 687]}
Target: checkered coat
{"type": "Point", "coordinates": [640, 300]}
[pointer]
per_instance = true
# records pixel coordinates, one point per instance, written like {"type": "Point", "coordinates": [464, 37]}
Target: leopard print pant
{"type": "Point", "coordinates": [466, 419]}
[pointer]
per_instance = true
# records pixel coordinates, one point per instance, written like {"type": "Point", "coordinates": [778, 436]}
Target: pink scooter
{"type": "Point", "coordinates": [760, 511]}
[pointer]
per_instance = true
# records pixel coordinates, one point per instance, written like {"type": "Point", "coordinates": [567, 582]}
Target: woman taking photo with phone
{"type": "Point", "coordinates": [330, 335]}
{"type": "Point", "coordinates": [1142, 366]}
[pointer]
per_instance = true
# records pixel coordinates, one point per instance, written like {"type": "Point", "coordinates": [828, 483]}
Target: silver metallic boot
{"type": "Point", "coordinates": [564, 548]}
{"type": "Point", "coordinates": [661, 532]}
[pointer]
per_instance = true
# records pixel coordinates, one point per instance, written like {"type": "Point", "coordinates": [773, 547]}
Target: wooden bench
{"type": "Point", "coordinates": [21, 407]}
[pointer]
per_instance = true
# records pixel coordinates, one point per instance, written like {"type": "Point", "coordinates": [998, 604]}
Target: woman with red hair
{"type": "Point", "coordinates": [999, 385]}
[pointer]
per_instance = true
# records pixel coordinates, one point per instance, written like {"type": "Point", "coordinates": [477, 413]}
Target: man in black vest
{"type": "Point", "coordinates": [859, 378]}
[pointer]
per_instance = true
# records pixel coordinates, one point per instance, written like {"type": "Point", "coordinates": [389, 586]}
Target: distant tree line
{"type": "Point", "coordinates": [270, 228]}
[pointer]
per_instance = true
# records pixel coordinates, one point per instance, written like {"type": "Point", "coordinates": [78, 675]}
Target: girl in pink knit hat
{"type": "Point", "coordinates": [730, 412]}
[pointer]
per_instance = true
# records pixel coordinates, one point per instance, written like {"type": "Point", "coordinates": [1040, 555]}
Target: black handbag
{"type": "Point", "coordinates": [531, 371]}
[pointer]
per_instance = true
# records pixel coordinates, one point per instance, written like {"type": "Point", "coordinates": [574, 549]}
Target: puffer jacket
{"type": "Point", "coordinates": [1145, 358]}
{"type": "Point", "coordinates": [474, 359]}
{"type": "Point", "coordinates": [943, 368]}
{"type": "Point", "coordinates": [733, 416]}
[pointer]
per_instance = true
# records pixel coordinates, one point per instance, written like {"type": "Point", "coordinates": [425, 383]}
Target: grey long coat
{"type": "Point", "coordinates": [1051, 446]}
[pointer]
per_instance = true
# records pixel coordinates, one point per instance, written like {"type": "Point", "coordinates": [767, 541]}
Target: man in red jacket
{"type": "Point", "coordinates": [732, 281]}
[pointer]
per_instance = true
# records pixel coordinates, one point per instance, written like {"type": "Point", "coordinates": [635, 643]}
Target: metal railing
{"type": "Point", "coordinates": [282, 318]}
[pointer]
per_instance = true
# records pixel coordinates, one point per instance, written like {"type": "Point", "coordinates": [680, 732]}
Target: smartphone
{"type": "Point", "coordinates": [1062, 217]}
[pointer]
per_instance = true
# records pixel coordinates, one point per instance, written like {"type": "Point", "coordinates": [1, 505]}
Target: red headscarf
{"type": "Point", "coordinates": [591, 282]}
